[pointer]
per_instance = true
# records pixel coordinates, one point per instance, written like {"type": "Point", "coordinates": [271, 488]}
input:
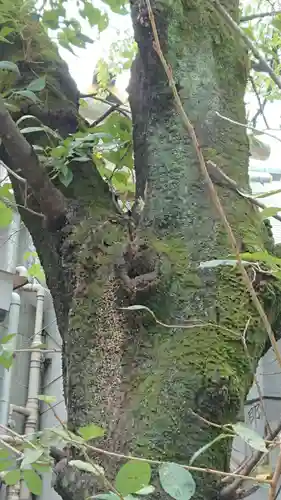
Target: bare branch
{"type": "Point", "coordinates": [24, 159]}
{"type": "Point", "coordinates": [230, 489]}
{"type": "Point", "coordinates": [261, 105]}
{"type": "Point", "coordinates": [260, 15]}
{"type": "Point", "coordinates": [234, 26]}
{"type": "Point", "coordinates": [221, 179]}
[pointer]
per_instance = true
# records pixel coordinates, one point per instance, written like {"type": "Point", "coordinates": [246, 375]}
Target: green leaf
{"type": "Point", "coordinates": [41, 467]}
{"type": "Point", "coordinates": [28, 94]}
{"type": "Point", "coordinates": [5, 464]}
{"type": "Point", "coordinates": [270, 212]}
{"type": "Point", "coordinates": [11, 107]}
{"type": "Point", "coordinates": [206, 447]}
{"type": "Point", "coordinates": [37, 85]}
{"type": "Point", "coordinates": [262, 257]}
{"type": "Point", "coordinates": [12, 477]}
{"type": "Point", "coordinates": [91, 431]}
{"type": "Point", "coordinates": [268, 193]}
{"type": "Point", "coordinates": [6, 215]}
{"type": "Point", "coordinates": [9, 66]}
{"type": "Point", "coordinates": [147, 490]}
{"type": "Point", "coordinates": [176, 481]}
{"type": "Point", "coordinates": [133, 476]}
{"type": "Point", "coordinates": [251, 437]}
{"type": "Point", "coordinates": [31, 455]}
{"type": "Point", "coordinates": [66, 178]}
{"type": "Point", "coordinates": [95, 469]}
{"type": "Point", "coordinates": [33, 481]}
{"type": "Point", "coordinates": [6, 360]}
{"type": "Point", "coordinates": [47, 399]}
{"type": "Point", "coordinates": [7, 338]}
{"type": "Point", "coordinates": [4, 453]}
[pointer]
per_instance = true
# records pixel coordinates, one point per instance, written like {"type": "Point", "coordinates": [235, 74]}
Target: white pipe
{"type": "Point", "coordinates": [35, 360]}
{"type": "Point", "coordinates": [34, 377]}
{"type": "Point", "coordinates": [13, 324]}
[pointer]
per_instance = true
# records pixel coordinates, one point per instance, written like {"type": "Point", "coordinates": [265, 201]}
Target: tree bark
{"type": "Point", "coordinates": [122, 370]}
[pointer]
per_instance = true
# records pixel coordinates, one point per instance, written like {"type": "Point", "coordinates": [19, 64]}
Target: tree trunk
{"type": "Point", "coordinates": [122, 370]}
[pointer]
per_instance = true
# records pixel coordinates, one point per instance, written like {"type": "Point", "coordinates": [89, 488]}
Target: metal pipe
{"type": "Point", "coordinates": [22, 410]}
{"type": "Point", "coordinates": [35, 360]}
{"type": "Point", "coordinates": [34, 374]}
{"type": "Point", "coordinates": [13, 324]}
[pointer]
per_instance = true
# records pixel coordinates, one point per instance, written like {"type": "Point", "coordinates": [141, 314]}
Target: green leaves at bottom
{"type": "Point", "coordinates": [132, 477]}
{"type": "Point", "coordinates": [33, 481]}
{"type": "Point", "coordinates": [12, 477]}
{"type": "Point", "coordinates": [177, 481]}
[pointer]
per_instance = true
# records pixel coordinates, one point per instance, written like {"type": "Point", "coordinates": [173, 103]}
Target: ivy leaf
{"type": "Point", "coordinates": [91, 431]}
{"type": "Point", "coordinates": [31, 455]}
{"type": "Point", "coordinates": [33, 481]}
{"type": "Point", "coordinates": [251, 437]}
{"type": "Point", "coordinates": [95, 469]}
{"type": "Point", "coordinates": [6, 215]}
{"type": "Point", "coordinates": [132, 477]}
{"type": "Point", "coordinates": [12, 477]}
{"type": "Point", "coordinates": [176, 481]}
{"type": "Point", "coordinates": [37, 84]}
{"type": "Point", "coordinates": [9, 66]}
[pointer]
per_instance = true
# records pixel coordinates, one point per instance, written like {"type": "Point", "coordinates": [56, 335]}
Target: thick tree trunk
{"type": "Point", "coordinates": [121, 370]}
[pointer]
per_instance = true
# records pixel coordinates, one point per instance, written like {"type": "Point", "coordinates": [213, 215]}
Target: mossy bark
{"type": "Point", "coordinates": [121, 370]}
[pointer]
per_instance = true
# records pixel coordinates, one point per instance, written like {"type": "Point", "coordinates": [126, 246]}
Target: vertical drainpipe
{"type": "Point", "coordinates": [34, 373]}
{"type": "Point", "coordinates": [13, 324]}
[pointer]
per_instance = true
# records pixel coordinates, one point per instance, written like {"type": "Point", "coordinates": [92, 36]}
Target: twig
{"type": "Point", "coordinates": [261, 105]}
{"type": "Point", "coordinates": [260, 15]}
{"type": "Point", "coordinates": [264, 132]}
{"type": "Point", "coordinates": [251, 463]}
{"type": "Point", "coordinates": [119, 108]}
{"type": "Point", "coordinates": [208, 422]}
{"type": "Point", "coordinates": [221, 179]}
{"type": "Point", "coordinates": [43, 351]}
{"type": "Point", "coordinates": [14, 174]}
{"type": "Point", "coordinates": [213, 194]}
{"type": "Point", "coordinates": [234, 26]}
{"type": "Point", "coordinates": [23, 158]}
{"type": "Point", "coordinates": [159, 462]}
{"type": "Point", "coordinates": [275, 478]}
{"type": "Point", "coordinates": [106, 114]}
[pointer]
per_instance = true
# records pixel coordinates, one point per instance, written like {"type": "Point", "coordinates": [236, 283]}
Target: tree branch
{"type": "Point", "coordinates": [24, 159]}
{"type": "Point", "coordinates": [244, 19]}
{"type": "Point", "coordinates": [230, 489]}
{"type": "Point", "coordinates": [234, 26]}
